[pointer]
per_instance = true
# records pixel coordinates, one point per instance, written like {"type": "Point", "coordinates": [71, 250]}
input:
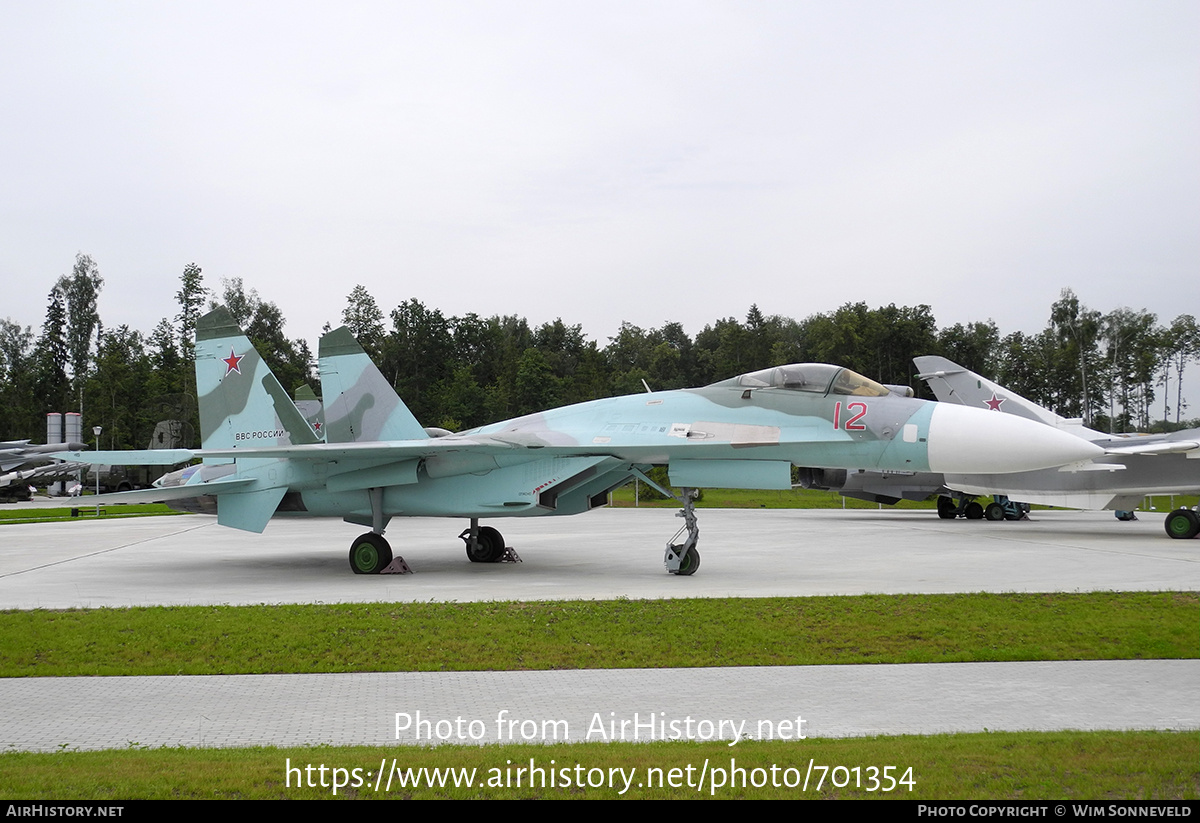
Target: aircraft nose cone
{"type": "Point", "coordinates": [965, 440]}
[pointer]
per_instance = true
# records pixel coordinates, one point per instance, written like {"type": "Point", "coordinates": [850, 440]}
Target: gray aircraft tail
{"type": "Point", "coordinates": [952, 383]}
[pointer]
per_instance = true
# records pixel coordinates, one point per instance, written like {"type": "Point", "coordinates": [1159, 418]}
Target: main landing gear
{"type": "Point", "coordinates": [370, 553]}
{"type": "Point", "coordinates": [486, 545]}
{"type": "Point", "coordinates": [1001, 508]}
{"type": "Point", "coordinates": [1182, 524]}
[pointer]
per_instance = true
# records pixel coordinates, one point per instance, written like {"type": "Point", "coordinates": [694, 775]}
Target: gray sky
{"type": "Point", "coordinates": [605, 161]}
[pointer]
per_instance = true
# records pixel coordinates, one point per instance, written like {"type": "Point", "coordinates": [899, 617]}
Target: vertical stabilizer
{"type": "Point", "coordinates": [360, 404]}
{"type": "Point", "coordinates": [952, 383]}
{"type": "Point", "coordinates": [241, 402]}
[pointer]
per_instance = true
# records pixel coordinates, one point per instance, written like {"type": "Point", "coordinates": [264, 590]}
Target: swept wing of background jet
{"type": "Point", "coordinates": [260, 455]}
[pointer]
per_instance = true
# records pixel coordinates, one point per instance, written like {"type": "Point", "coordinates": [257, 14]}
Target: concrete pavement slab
{"type": "Point", "coordinates": [604, 554]}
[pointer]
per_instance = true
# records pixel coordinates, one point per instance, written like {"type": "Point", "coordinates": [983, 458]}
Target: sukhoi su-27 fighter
{"type": "Point", "coordinates": [377, 462]}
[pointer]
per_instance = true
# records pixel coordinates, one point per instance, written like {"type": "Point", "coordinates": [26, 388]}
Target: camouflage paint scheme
{"type": "Point", "coordinates": [377, 462]}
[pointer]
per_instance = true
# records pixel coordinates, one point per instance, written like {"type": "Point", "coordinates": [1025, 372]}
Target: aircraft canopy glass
{"type": "Point", "coordinates": [820, 378]}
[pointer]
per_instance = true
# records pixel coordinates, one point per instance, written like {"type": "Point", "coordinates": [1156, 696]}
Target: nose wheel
{"type": "Point", "coordinates": [685, 564]}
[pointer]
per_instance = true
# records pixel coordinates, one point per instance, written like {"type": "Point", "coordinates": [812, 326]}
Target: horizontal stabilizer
{"type": "Point", "coordinates": [143, 457]}
{"type": "Point", "coordinates": [162, 495]}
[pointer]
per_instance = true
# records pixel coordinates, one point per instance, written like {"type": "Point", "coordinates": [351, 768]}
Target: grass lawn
{"type": "Point", "coordinates": [618, 634]}
{"type": "Point", "coordinates": [599, 634]}
{"type": "Point", "coordinates": [1002, 766]}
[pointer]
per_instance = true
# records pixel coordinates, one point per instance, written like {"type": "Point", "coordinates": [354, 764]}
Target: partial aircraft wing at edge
{"type": "Point", "coordinates": [1159, 447]}
{"type": "Point", "coordinates": [162, 494]}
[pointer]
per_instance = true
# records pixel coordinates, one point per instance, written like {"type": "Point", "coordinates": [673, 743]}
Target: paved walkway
{"type": "Point", "coordinates": [832, 701]}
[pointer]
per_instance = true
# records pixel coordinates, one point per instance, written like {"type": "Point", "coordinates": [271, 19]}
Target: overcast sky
{"type": "Point", "coordinates": [605, 161]}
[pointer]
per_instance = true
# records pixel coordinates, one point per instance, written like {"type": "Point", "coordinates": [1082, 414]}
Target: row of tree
{"type": "Point", "coordinates": [460, 372]}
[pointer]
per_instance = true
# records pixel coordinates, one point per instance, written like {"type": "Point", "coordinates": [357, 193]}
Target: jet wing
{"type": "Point", "coordinates": [1159, 447]}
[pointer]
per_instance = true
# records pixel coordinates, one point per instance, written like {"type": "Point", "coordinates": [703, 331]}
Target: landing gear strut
{"type": "Point", "coordinates": [684, 558]}
{"type": "Point", "coordinates": [680, 558]}
{"type": "Point", "coordinates": [370, 553]}
{"type": "Point", "coordinates": [484, 545]}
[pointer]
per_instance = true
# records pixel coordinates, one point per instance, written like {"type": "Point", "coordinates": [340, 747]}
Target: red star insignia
{"type": "Point", "coordinates": [994, 403]}
{"type": "Point", "coordinates": [316, 426]}
{"type": "Point", "coordinates": [232, 362]}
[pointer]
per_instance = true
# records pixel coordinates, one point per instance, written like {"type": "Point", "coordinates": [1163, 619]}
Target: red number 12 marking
{"type": "Point", "coordinates": [852, 424]}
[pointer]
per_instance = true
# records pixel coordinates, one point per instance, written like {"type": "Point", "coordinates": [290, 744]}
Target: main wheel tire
{"type": "Point", "coordinates": [689, 563]}
{"type": "Point", "coordinates": [974, 511]}
{"type": "Point", "coordinates": [370, 554]}
{"type": "Point", "coordinates": [1182, 524]}
{"type": "Point", "coordinates": [994, 512]}
{"type": "Point", "coordinates": [947, 508]}
{"type": "Point", "coordinates": [489, 546]}
{"type": "Point", "coordinates": [1126, 517]}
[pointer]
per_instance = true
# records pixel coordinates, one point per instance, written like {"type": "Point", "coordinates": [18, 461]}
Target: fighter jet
{"type": "Point", "coordinates": [1131, 468]}
{"type": "Point", "coordinates": [261, 457]}
{"type": "Point", "coordinates": [21, 463]}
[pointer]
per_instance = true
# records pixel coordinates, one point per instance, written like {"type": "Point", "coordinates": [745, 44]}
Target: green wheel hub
{"type": "Point", "coordinates": [370, 554]}
{"type": "Point", "coordinates": [1182, 524]}
{"type": "Point", "coordinates": [366, 556]}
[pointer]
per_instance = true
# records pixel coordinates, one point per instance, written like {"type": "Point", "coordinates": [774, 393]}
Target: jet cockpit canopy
{"type": "Point", "coordinates": [819, 378]}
